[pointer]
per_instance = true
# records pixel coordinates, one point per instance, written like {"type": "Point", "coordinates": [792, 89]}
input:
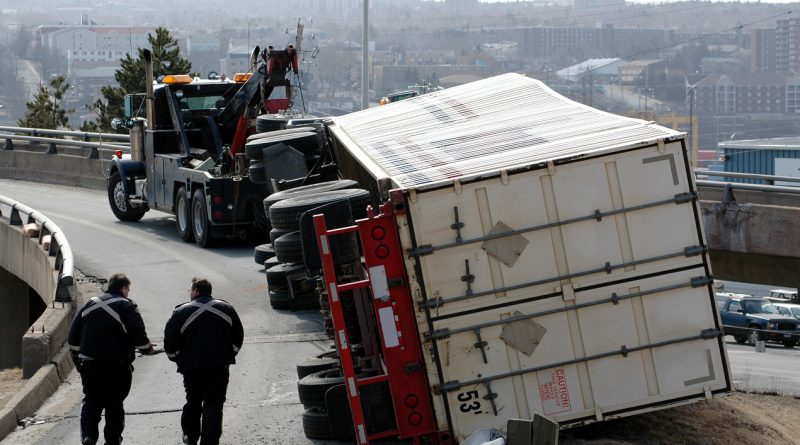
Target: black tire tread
{"type": "Point", "coordinates": [289, 248]}
{"type": "Point", "coordinates": [311, 388]}
{"type": "Point", "coordinates": [286, 214]}
{"type": "Point", "coordinates": [316, 424]}
{"type": "Point", "coordinates": [310, 189]}
{"type": "Point", "coordinates": [262, 253]}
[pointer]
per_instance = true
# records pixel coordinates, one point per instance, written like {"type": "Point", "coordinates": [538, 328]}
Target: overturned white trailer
{"type": "Point", "coordinates": [553, 253]}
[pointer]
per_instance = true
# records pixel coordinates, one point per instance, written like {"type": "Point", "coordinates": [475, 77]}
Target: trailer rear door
{"type": "Point", "coordinates": [579, 290]}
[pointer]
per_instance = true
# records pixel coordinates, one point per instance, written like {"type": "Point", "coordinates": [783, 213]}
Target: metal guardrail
{"type": "Point", "coordinates": [82, 134]}
{"type": "Point", "coordinates": [768, 179]}
{"type": "Point", "coordinates": [37, 135]}
{"type": "Point", "coordinates": [59, 246]}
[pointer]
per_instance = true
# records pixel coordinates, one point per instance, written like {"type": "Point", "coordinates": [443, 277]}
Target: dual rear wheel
{"type": "Point", "coordinates": [191, 217]}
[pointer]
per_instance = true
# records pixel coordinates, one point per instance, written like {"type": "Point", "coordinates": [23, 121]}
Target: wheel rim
{"type": "Point", "coordinates": [199, 215]}
{"type": "Point", "coordinates": [119, 197]}
{"type": "Point", "coordinates": [183, 215]}
{"type": "Point", "coordinates": [753, 336]}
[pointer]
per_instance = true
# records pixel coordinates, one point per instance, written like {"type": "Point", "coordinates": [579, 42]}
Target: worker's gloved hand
{"type": "Point", "coordinates": [153, 350]}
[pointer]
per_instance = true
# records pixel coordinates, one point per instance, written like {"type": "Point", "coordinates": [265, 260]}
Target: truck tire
{"type": "Point", "coordinates": [316, 423]}
{"type": "Point", "coordinates": [201, 229]}
{"type": "Point", "coordinates": [310, 189]}
{"type": "Point", "coordinates": [256, 173]}
{"type": "Point", "coordinates": [289, 248]}
{"type": "Point", "coordinates": [119, 202]}
{"type": "Point", "coordinates": [274, 133]}
{"type": "Point", "coordinates": [277, 276]}
{"type": "Point", "coordinates": [320, 362]}
{"type": "Point", "coordinates": [306, 142]}
{"type": "Point", "coordinates": [270, 122]}
{"type": "Point", "coordinates": [740, 339]}
{"type": "Point", "coordinates": [305, 302]}
{"type": "Point", "coordinates": [789, 344]}
{"type": "Point", "coordinates": [262, 253]}
{"type": "Point", "coordinates": [312, 387]}
{"type": "Point", "coordinates": [271, 262]}
{"type": "Point", "coordinates": [183, 217]}
{"type": "Point", "coordinates": [274, 234]}
{"type": "Point", "coordinates": [286, 214]}
{"type": "Point", "coordinates": [280, 298]}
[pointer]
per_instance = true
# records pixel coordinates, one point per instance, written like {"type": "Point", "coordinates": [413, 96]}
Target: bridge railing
{"type": "Point", "coordinates": [767, 186]}
{"type": "Point", "coordinates": [52, 139]}
{"type": "Point", "coordinates": [21, 214]}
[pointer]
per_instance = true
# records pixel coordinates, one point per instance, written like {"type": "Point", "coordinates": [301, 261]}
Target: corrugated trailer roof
{"type": "Point", "coordinates": [481, 127]}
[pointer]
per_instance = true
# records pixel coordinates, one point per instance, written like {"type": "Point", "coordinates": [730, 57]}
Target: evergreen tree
{"type": "Point", "coordinates": [131, 77]}
{"type": "Point", "coordinates": [45, 110]}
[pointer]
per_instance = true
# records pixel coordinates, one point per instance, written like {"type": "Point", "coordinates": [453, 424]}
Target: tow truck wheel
{"type": "Point", "coordinates": [200, 226]}
{"type": "Point", "coordinates": [183, 217]}
{"type": "Point", "coordinates": [118, 199]}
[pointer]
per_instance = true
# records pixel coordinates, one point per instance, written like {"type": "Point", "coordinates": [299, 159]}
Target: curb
{"type": "Point", "coordinates": [8, 421]}
{"type": "Point", "coordinates": [44, 382]}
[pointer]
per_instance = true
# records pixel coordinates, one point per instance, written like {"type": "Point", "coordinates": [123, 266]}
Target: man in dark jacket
{"type": "Point", "coordinates": [102, 339]}
{"type": "Point", "coordinates": [203, 337]}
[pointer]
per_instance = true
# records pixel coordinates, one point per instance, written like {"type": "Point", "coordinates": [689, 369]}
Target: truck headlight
{"type": "Point", "coordinates": [772, 325]}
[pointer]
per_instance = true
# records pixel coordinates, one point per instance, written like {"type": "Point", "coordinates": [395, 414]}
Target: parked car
{"type": "Point", "coordinates": [788, 309]}
{"type": "Point", "coordinates": [749, 319]}
{"type": "Point", "coordinates": [785, 294]}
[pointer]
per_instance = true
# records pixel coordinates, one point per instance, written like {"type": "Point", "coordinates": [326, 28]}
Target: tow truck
{"type": "Point", "coordinates": [188, 158]}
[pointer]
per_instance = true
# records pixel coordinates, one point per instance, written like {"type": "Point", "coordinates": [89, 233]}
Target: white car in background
{"type": "Point", "coordinates": [788, 309]}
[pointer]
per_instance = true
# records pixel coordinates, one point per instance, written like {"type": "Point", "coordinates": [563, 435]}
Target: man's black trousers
{"type": "Point", "coordinates": [105, 386]}
{"type": "Point", "coordinates": [205, 396]}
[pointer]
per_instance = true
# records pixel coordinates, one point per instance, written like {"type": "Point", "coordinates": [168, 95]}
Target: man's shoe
{"type": "Point", "coordinates": [188, 441]}
{"type": "Point", "coordinates": [88, 441]}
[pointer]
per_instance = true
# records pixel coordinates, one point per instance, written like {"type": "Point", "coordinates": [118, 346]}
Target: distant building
{"type": "Point", "coordinates": [762, 51]}
{"type": "Point", "coordinates": [787, 44]}
{"type": "Point", "coordinates": [94, 38]}
{"type": "Point", "coordinates": [605, 40]}
{"type": "Point", "coordinates": [89, 71]}
{"type": "Point", "coordinates": [202, 43]}
{"type": "Point", "coordinates": [607, 5]}
{"type": "Point", "coordinates": [238, 60]}
{"type": "Point", "coordinates": [774, 156]}
{"type": "Point", "coordinates": [600, 69]}
{"type": "Point", "coordinates": [748, 94]}
{"type": "Point", "coordinates": [722, 65]}
{"type": "Point", "coordinates": [640, 70]}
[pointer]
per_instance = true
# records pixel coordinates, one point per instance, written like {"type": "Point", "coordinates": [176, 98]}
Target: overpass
{"type": "Point", "coordinates": [37, 293]}
{"type": "Point", "coordinates": [750, 229]}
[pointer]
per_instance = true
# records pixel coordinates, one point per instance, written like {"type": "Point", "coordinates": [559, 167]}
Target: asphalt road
{"type": "Point", "coordinates": [262, 406]}
{"type": "Point", "coordinates": [777, 370]}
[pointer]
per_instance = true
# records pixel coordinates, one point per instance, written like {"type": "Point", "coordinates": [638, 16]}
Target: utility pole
{"type": "Point", "coordinates": [365, 58]}
{"type": "Point", "coordinates": [691, 124]}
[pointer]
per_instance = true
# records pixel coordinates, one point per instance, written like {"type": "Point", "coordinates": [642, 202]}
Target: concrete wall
{"type": "Point", "coordinates": [14, 318]}
{"type": "Point", "coordinates": [753, 243]}
{"type": "Point", "coordinates": [62, 169]}
{"type": "Point", "coordinates": [25, 260]}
